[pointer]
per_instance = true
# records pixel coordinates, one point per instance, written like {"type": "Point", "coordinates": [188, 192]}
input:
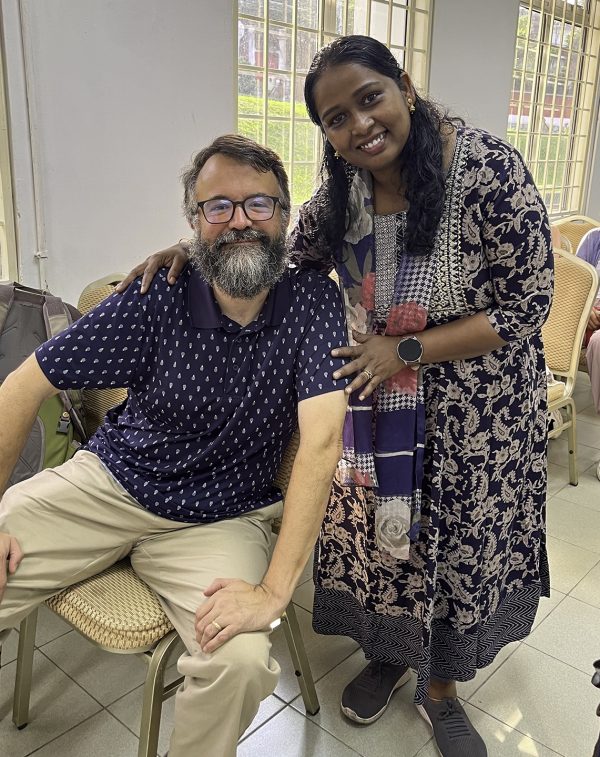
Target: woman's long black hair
{"type": "Point", "coordinates": [420, 168]}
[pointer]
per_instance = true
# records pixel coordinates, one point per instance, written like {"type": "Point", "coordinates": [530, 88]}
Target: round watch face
{"type": "Point", "coordinates": [410, 350]}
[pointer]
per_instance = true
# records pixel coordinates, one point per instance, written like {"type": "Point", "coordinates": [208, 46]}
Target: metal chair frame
{"type": "Point", "coordinates": [155, 690]}
{"type": "Point", "coordinates": [563, 350]}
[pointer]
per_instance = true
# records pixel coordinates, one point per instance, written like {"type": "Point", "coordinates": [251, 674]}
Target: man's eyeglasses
{"type": "Point", "coordinates": [256, 208]}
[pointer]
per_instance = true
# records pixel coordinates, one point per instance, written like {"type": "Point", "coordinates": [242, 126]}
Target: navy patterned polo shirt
{"type": "Point", "coordinates": [211, 404]}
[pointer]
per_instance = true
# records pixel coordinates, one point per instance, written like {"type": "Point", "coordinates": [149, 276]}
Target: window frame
{"type": "Point", "coordinates": [576, 165]}
{"type": "Point", "coordinates": [8, 232]}
{"type": "Point", "coordinates": [419, 20]}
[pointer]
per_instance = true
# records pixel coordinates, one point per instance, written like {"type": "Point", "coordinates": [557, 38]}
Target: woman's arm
{"type": "Point", "coordinates": [516, 243]}
{"type": "Point", "coordinates": [175, 257]}
{"type": "Point", "coordinates": [305, 244]}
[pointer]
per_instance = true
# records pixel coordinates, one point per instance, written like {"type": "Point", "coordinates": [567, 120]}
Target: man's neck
{"type": "Point", "coordinates": [240, 310]}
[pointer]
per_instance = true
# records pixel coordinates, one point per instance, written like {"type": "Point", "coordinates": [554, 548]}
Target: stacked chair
{"type": "Point", "coordinates": [573, 229]}
{"type": "Point", "coordinates": [575, 286]}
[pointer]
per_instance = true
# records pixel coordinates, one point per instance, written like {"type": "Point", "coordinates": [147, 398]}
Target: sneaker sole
{"type": "Point", "coordinates": [351, 715]}
{"type": "Point", "coordinates": [423, 713]}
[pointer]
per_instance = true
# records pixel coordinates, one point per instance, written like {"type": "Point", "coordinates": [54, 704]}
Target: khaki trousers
{"type": "Point", "coordinates": [76, 520]}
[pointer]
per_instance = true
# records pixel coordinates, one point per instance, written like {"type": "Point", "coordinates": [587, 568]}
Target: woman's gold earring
{"type": "Point", "coordinates": [411, 107]}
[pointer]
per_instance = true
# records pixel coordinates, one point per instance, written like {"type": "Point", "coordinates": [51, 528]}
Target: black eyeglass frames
{"type": "Point", "coordinates": [256, 208]}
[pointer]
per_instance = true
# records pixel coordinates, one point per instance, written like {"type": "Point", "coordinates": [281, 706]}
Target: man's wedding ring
{"type": "Point", "coordinates": [217, 626]}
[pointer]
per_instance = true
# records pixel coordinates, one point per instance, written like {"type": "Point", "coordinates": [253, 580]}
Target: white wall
{"type": "Point", "coordinates": [593, 207]}
{"type": "Point", "coordinates": [473, 48]}
{"type": "Point", "coordinates": [121, 93]}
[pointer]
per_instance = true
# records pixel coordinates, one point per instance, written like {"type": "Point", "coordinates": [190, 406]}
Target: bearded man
{"type": "Point", "coordinates": [220, 369]}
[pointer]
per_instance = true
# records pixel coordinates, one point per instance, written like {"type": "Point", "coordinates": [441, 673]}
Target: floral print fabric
{"type": "Point", "coordinates": [479, 565]}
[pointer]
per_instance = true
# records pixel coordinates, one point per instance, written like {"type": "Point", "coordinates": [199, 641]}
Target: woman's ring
{"type": "Point", "coordinates": [367, 373]}
{"type": "Point", "coordinates": [217, 626]}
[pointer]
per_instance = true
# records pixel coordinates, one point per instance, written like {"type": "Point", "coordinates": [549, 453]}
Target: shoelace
{"type": "Point", "coordinates": [456, 724]}
{"type": "Point", "coordinates": [370, 678]}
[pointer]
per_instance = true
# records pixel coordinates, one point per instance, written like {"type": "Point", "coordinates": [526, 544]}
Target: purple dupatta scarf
{"type": "Point", "coordinates": [383, 438]}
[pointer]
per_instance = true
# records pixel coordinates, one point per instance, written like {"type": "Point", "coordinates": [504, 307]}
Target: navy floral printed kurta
{"type": "Point", "coordinates": [475, 575]}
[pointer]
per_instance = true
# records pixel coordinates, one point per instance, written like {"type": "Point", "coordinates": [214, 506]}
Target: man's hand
{"type": "Point", "coordinates": [594, 319]}
{"type": "Point", "coordinates": [11, 555]}
{"type": "Point", "coordinates": [234, 606]}
{"type": "Point", "coordinates": [175, 257]}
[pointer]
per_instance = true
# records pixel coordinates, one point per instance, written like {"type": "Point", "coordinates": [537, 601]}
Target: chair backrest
{"type": "Point", "coordinates": [98, 402]}
{"type": "Point", "coordinates": [575, 286]}
{"type": "Point", "coordinates": [574, 229]}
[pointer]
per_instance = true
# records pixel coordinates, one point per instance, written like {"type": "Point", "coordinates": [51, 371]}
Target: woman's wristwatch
{"type": "Point", "coordinates": [410, 352]}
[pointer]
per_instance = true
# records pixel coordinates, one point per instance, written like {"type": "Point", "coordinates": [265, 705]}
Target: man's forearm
{"type": "Point", "coordinates": [305, 503]}
{"type": "Point", "coordinates": [20, 398]}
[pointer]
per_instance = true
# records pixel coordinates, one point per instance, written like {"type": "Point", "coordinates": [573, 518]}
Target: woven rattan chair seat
{"type": "Point", "coordinates": [115, 609]}
{"type": "Point", "coordinates": [556, 391]}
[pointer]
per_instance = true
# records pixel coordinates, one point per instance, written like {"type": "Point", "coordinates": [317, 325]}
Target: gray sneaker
{"type": "Point", "coordinates": [367, 696]}
{"type": "Point", "coordinates": [453, 732]}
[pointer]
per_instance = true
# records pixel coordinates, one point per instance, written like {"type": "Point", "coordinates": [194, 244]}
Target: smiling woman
{"type": "Point", "coordinates": [415, 213]}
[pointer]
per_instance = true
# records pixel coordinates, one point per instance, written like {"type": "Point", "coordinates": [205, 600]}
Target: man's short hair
{"type": "Point", "coordinates": [245, 151]}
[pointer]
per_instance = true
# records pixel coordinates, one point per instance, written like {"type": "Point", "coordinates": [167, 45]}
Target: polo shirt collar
{"type": "Point", "coordinates": [205, 312]}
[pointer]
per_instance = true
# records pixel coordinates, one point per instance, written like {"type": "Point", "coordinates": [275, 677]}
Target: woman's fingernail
{"type": "Point", "coordinates": [336, 375]}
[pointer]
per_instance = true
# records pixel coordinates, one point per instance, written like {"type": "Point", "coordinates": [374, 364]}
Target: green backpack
{"type": "Point", "coordinates": [29, 317]}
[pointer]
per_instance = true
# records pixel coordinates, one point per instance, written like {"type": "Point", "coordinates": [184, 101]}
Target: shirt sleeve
{"type": "Point", "coordinates": [103, 348]}
{"type": "Point", "coordinates": [517, 244]}
{"type": "Point", "coordinates": [325, 330]}
{"type": "Point", "coordinates": [589, 248]}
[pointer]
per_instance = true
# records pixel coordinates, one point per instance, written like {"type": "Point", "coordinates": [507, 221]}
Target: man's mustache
{"type": "Point", "coordinates": [245, 235]}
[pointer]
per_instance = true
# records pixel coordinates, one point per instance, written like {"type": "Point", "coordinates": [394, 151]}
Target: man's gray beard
{"type": "Point", "coordinates": [242, 271]}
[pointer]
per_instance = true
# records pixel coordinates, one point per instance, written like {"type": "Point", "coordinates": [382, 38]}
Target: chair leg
{"type": "Point", "coordinates": [572, 441]}
{"type": "Point", "coordinates": [23, 675]}
{"type": "Point", "coordinates": [154, 696]}
{"type": "Point", "coordinates": [300, 660]}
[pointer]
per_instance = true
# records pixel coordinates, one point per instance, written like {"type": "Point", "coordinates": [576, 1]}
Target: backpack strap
{"type": "Point", "coordinates": [57, 317]}
{"type": "Point", "coordinates": [7, 295]}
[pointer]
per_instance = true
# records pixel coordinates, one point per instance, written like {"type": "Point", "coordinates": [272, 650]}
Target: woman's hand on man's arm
{"type": "Point", "coordinates": [175, 257]}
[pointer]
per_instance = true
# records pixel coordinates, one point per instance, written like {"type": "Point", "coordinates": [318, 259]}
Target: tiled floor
{"type": "Point", "coordinates": [535, 700]}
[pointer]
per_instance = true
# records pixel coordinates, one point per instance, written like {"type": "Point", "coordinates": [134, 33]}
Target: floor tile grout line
{"type": "Point", "coordinates": [490, 676]}
{"type": "Point", "coordinates": [60, 636]}
{"type": "Point", "coordinates": [60, 735]}
{"type": "Point", "coordinates": [116, 717]}
{"type": "Point", "coordinates": [104, 706]}
{"type": "Point", "coordinates": [572, 543]}
{"type": "Point", "coordinates": [268, 720]}
{"type": "Point", "coordinates": [305, 717]}
{"type": "Point", "coordinates": [580, 581]}
{"type": "Point", "coordinates": [513, 728]}
{"type": "Point", "coordinates": [557, 659]}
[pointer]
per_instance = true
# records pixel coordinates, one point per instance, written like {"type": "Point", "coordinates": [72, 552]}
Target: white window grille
{"type": "Point", "coordinates": [554, 90]}
{"type": "Point", "coordinates": [277, 40]}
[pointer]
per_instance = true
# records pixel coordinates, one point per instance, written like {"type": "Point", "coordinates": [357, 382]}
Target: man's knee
{"type": "Point", "coordinates": [16, 497]}
{"type": "Point", "coordinates": [245, 659]}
